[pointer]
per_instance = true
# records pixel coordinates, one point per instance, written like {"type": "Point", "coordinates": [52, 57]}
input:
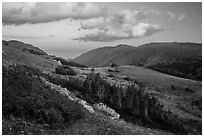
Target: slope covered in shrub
{"type": "Point", "coordinates": [25, 96]}
{"type": "Point", "coordinates": [64, 70]}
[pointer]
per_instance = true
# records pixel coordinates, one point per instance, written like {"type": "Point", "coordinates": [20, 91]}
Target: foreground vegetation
{"type": "Point", "coordinates": [30, 107]}
{"type": "Point", "coordinates": [132, 103]}
{"type": "Point", "coordinates": [26, 98]}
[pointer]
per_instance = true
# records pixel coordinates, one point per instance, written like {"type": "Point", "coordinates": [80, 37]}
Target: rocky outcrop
{"type": "Point", "coordinates": [109, 111]}
{"type": "Point", "coordinates": [100, 106]}
{"type": "Point", "coordinates": [68, 93]}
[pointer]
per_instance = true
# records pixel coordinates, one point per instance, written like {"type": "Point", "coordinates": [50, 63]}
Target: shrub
{"type": "Point", "coordinates": [173, 87]}
{"type": "Point", "coordinates": [127, 78]}
{"type": "Point", "coordinates": [64, 70]}
{"type": "Point", "coordinates": [113, 70]}
{"type": "Point", "coordinates": [189, 89]}
{"type": "Point", "coordinates": [114, 65]}
{"type": "Point", "coordinates": [69, 63]}
{"type": "Point", "coordinates": [92, 69]}
{"type": "Point", "coordinates": [25, 95]}
{"type": "Point", "coordinates": [111, 75]}
{"type": "Point", "coordinates": [35, 51]}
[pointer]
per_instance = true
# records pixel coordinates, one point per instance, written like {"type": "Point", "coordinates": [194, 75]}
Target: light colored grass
{"type": "Point", "coordinates": [159, 80]}
{"type": "Point", "coordinates": [177, 100]}
{"type": "Point", "coordinates": [13, 55]}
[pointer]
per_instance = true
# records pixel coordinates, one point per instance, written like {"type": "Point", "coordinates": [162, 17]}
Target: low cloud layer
{"type": "Point", "coordinates": [109, 25]}
{"type": "Point", "coordinates": [21, 13]}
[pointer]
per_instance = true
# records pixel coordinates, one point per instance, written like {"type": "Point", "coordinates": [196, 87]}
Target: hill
{"type": "Point", "coordinates": [33, 105]}
{"type": "Point", "coordinates": [43, 94]}
{"type": "Point", "coordinates": [16, 52]}
{"type": "Point", "coordinates": [179, 59]}
{"type": "Point", "coordinates": [23, 46]}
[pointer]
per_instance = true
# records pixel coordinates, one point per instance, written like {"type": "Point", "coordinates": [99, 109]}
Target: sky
{"type": "Point", "coordinates": [70, 29]}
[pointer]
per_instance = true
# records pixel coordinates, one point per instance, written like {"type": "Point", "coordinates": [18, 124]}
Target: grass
{"type": "Point", "coordinates": [159, 80]}
{"type": "Point", "coordinates": [100, 124]}
{"type": "Point", "coordinates": [180, 99]}
{"type": "Point", "coordinates": [36, 109]}
{"type": "Point", "coordinates": [183, 99]}
{"type": "Point", "coordinates": [17, 56]}
{"type": "Point", "coordinates": [163, 82]}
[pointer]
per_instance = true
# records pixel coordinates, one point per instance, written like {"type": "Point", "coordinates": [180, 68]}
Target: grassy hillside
{"type": "Point", "coordinates": [103, 56]}
{"type": "Point", "coordinates": [31, 107]}
{"type": "Point", "coordinates": [182, 96]}
{"type": "Point", "coordinates": [15, 53]}
{"type": "Point", "coordinates": [23, 46]}
{"type": "Point", "coordinates": [149, 102]}
{"type": "Point", "coordinates": [156, 56]}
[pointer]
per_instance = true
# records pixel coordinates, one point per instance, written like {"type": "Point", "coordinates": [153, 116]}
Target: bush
{"type": "Point", "coordinates": [69, 63]}
{"type": "Point", "coordinates": [113, 70]}
{"type": "Point", "coordinates": [35, 51]}
{"type": "Point", "coordinates": [114, 65]}
{"type": "Point", "coordinates": [189, 89]}
{"type": "Point", "coordinates": [111, 75]}
{"type": "Point", "coordinates": [64, 70]}
{"type": "Point", "coordinates": [127, 78]}
{"type": "Point", "coordinates": [173, 87]}
{"type": "Point", "coordinates": [25, 95]}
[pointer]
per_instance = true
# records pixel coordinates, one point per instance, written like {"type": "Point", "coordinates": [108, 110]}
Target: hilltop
{"type": "Point", "coordinates": [171, 58]}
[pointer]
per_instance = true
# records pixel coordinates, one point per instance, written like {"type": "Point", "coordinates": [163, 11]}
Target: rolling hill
{"type": "Point", "coordinates": [32, 107]}
{"type": "Point", "coordinates": [23, 46]}
{"type": "Point", "coordinates": [21, 53]}
{"type": "Point", "coordinates": [42, 101]}
{"type": "Point", "coordinates": [179, 59]}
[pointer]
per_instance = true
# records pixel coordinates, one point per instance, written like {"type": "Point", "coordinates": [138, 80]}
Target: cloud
{"type": "Point", "coordinates": [123, 32]}
{"type": "Point", "coordinates": [109, 25]}
{"type": "Point", "coordinates": [125, 24]}
{"type": "Point", "coordinates": [175, 17]}
{"type": "Point", "coordinates": [181, 17]}
{"type": "Point", "coordinates": [52, 36]}
{"type": "Point", "coordinates": [21, 13]}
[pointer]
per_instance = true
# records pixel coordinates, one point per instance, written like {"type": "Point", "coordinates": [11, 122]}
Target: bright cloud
{"type": "Point", "coordinates": [127, 31]}
{"type": "Point", "coordinates": [109, 25]}
{"type": "Point", "coordinates": [126, 24]}
{"type": "Point", "coordinates": [21, 13]}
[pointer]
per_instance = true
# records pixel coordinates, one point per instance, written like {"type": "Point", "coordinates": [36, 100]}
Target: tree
{"type": "Point", "coordinates": [87, 85]}
{"type": "Point", "coordinates": [100, 93]}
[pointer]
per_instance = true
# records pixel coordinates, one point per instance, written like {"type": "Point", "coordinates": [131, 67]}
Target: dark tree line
{"type": "Point", "coordinates": [130, 99]}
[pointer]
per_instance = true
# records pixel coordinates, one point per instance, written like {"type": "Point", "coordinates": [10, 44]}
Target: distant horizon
{"type": "Point", "coordinates": [105, 46]}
